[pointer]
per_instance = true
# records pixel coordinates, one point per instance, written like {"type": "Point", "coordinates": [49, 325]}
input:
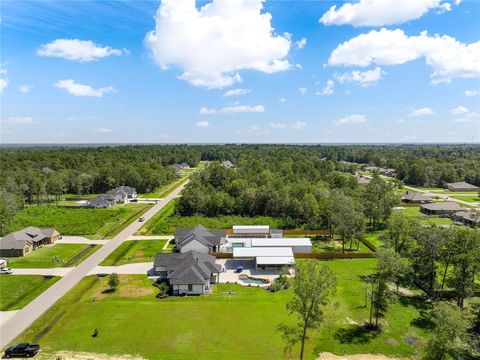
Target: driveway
{"type": "Point", "coordinates": [58, 271]}
{"type": "Point", "coordinates": [146, 237]}
{"type": "Point", "coordinates": [26, 316]}
{"type": "Point", "coordinates": [79, 240]}
{"type": "Point", "coordinates": [137, 268]}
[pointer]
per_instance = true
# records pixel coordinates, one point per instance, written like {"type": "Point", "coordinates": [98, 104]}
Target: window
{"type": "Point", "coordinates": [190, 287]}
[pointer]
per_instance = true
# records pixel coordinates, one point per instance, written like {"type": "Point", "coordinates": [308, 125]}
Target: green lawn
{"type": "Point", "coordinates": [163, 191]}
{"type": "Point", "coordinates": [16, 291]}
{"type": "Point", "coordinates": [321, 245]}
{"type": "Point", "coordinates": [58, 255]}
{"type": "Point", "coordinates": [373, 237]}
{"type": "Point", "coordinates": [414, 211]}
{"type": "Point", "coordinates": [241, 325]}
{"type": "Point", "coordinates": [469, 198]}
{"type": "Point", "coordinates": [95, 223]}
{"type": "Point", "coordinates": [134, 251]}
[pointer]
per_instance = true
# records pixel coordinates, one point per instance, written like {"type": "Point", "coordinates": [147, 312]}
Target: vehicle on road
{"type": "Point", "coordinates": [5, 270]}
{"type": "Point", "coordinates": [22, 350]}
{"type": "Point", "coordinates": [141, 218]}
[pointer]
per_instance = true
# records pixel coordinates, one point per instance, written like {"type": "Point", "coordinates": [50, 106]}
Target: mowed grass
{"type": "Point", "coordinates": [58, 255]}
{"type": "Point", "coordinates": [469, 198]}
{"type": "Point", "coordinates": [375, 238]}
{"type": "Point", "coordinates": [163, 191]}
{"type": "Point", "coordinates": [95, 223]}
{"type": "Point", "coordinates": [16, 291]}
{"type": "Point", "coordinates": [135, 251]}
{"type": "Point", "coordinates": [414, 211]}
{"type": "Point", "coordinates": [241, 325]}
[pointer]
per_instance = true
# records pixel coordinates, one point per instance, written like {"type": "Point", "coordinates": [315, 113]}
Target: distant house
{"type": "Point", "coordinates": [441, 208]}
{"type": "Point", "coordinates": [362, 180]}
{"type": "Point", "coordinates": [190, 273]}
{"type": "Point", "coordinates": [387, 172]}
{"type": "Point", "coordinates": [462, 186]}
{"type": "Point", "coordinates": [415, 197]}
{"type": "Point", "coordinates": [199, 239]}
{"type": "Point", "coordinates": [102, 201]}
{"type": "Point", "coordinates": [370, 168]}
{"type": "Point", "coordinates": [227, 164]}
{"type": "Point", "coordinates": [20, 243]}
{"type": "Point", "coordinates": [467, 217]}
{"type": "Point", "coordinates": [182, 166]}
{"type": "Point", "coordinates": [123, 193]}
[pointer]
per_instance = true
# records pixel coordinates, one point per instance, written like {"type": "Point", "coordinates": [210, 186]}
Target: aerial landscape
{"type": "Point", "coordinates": [240, 179]}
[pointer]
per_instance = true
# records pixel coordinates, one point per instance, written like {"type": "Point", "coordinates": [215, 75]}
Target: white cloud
{"type": "Point", "coordinates": [470, 93]}
{"type": "Point", "coordinates": [301, 43]}
{"type": "Point", "coordinates": [102, 130]}
{"type": "Point", "coordinates": [257, 130]}
{"type": "Point", "coordinates": [447, 57]}
{"type": "Point", "coordinates": [278, 125]}
{"type": "Point", "coordinates": [421, 112]}
{"type": "Point", "coordinates": [76, 89]}
{"type": "Point", "coordinates": [282, 100]}
{"type": "Point", "coordinates": [298, 125]}
{"type": "Point", "coordinates": [25, 88]}
{"type": "Point", "coordinates": [380, 12]}
{"type": "Point", "coordinates": [213, 43]}
{"type": "Point", "coordinates": [77, 50]}
{"type": "Point", "coordinates": [3, 79]}
{"type": "Point", "coordinates": [19, 120]}
{"type": "Point", "coordinates": [233, 109]}
{"type": "Point", "coordinates": [459, 110]}
{"type": "Point", "coordinates": [202, 123]}
{"type": "Point", "coordinates": [236, 92]}
{"type": "Point", "coordinates": [298, 66]}
{"type": "Point", "coordinates": [303, 90]}
{"type": "Point", "coordinates": [350, 119]}
{"type": "Point", "coordinates": [365, 78]}
{"type": "Point", "coordinates": [327, 90]}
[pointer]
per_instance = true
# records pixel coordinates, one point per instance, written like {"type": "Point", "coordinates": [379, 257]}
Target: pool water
{"type": "Point", "coordinates": [250, 280]}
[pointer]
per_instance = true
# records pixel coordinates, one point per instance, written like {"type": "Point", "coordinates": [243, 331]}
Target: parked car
{"type": "Point", "coordinates": [5, 270]}
{"type": "Point", "coordinates": [141, 218]}
{"type": "Point", "coordinates": [134, 200]}
{"type": "Point", "coordinates": [22, 350]}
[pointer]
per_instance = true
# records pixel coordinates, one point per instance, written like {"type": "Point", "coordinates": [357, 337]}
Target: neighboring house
{"type": "Point", "coordinates": [190, 273]}
{"type": "Point", "coordinates": [123, 193]}
{"type": "Point", "coordinates": [462, 186]}
{"type": "Point", "coordinates": [387, 172]}
{"type": "Point", "coordinates": [442, 208]}
{"type": "Point", "coordinates": [20, 243]}
{"type": "Point", "coordinates": [182, 166]}
{"type": "Point", "coordinates": [227, 164]}
{"type": "Point", "coordinates": [415, 197]}
{"type": "Point", "coordinates": [102, 201]}
{"type": "Point", "coordinates": [362, 180]}
{"type": "Point", "coordinates": [199, 239]}
{"type": "Point", "coordinates": [467, 217]}
{"type": "Point", "coordinates": [370, 168]}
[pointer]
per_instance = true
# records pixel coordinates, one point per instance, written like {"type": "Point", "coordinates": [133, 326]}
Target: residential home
{"type": "Point", "coordinates": [227, 164]}
{"type": "Point", "coordinates": [102, 201]}
{"type": "Point", "coordinates": [122, 193]}
{"type": "Point", "coordinates": [182, 166]}
{"type": "Point", "coordinates": [199, 239]}
{"type": "Point", "coordinates": [189, 273]}
{"type": "Point", "coordinates": [441, 208]}
{"type": "Point", "coordinates": [462, 186]}
{"type": "Point", "coordinates": [370, 168]}
{"type": "Point", "coordinates": [387, 172]}
{"type": "Point", "coordinates": [20, 243]}
{"type": "Point", "coordinates": [415, 197]}
{"type": "Point", "coordinates": [467, 217]}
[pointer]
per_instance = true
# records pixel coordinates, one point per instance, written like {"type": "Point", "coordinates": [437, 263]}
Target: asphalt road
{"type": "Point", "coordinates": [14, 326]}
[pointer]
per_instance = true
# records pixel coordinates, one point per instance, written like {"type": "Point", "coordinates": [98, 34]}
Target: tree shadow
{"type": "Point", "coordinates": [418, 302]}
{"type": "Point", "coordinates": [357, 334]}
{"type": "Point", "coordinates": [108, 291]}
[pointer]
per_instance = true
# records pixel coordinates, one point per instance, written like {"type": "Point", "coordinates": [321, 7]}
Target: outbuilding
{"type": "Point", "coordinates": [265, 257]}
{"type": "Point", "coordinates": [298, 245]}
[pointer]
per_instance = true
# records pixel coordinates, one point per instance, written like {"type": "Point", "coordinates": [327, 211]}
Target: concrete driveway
{"type": "Point", "coordinates": [137, 268]}
{"type": "Point", "coordinates": [79, 240]}
{"type": "Point", "coordinates": [58, 271]}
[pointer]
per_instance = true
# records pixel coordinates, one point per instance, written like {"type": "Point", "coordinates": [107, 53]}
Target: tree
{"type": "Point", "coordinates": [313, 285]}
{"type": "Point", "coordinates": [113, 281]}
{"type": "Point", "coordinates": [400, 231]}
{"type": "Point", "coordinates": [378, 200]}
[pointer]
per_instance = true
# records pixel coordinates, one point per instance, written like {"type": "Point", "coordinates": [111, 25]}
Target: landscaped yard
{"type": "Point", "coordinates": [469, 198]}
{"type": "Point", "coordinates": [16, 291]}
{"type": "Point", "coordinates": [320, 245]}
{"type": "Point", "coordinates": [58, 255]}
{"type": "Point", "coordinates": [135, 251]}
{"type": "Point", "coordinates": [414, 211]}
{"type": "Point", "coordinates": [95, 223]}
{"type": "Point", "coordinates": [237, 325]}
{"type": "Point", "coordinates": [374, 237]}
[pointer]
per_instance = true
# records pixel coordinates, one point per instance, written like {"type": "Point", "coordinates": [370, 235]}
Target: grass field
{"type": "Point", "coordinates": [374, 238]}
{"type": "Point", "coordinates": [95, 223]}
{"type": "Point", "coordinates": [134, 251]}
{"type": "Point", "coordinates": [165, 190]}
{"type": "Point", "coordinates": [16, 291]}
{"type": "Point", "coordinates": [319, 246]}
{"type": "Point", "coordinates": [59, 255]}
{"type": "Point", "coordinates": [469, 198]}
{"type": "Point", "coordinates": [414, 211]}
{"type": "Point", "coordinates": [241, 325]}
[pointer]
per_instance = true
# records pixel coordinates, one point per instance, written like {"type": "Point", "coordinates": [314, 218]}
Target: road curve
{"type": "Point", "coordinates": [16, 324]}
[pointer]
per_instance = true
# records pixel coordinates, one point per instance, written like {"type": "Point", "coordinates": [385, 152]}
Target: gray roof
{"type": "Point", "coordinates": [101, 199]}
{"type": "Point", "coordinates": [416, 196]}
{"type": "Point", "coordinates": [127, 190]}
{"type": "Point", "coordinates": [187, 268]}
{"type": "Point", "coordinates": [31, 234]}
{"type": "Point", "coordinates": [461, 185]}
{"type": "Point", "coordinates": [467, 215]}
{"type": "Point", "coordinates": [443, 205]}
{"type": "Point", "coordinates": [209, 238]}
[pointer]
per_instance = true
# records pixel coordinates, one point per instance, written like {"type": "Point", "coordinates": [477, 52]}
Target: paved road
{"type": "Point", "coordinates": [443, 196]}
{"type": "Point", "coordinates": [15, 325]}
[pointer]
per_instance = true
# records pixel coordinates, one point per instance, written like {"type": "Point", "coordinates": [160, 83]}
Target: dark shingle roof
{"type": "Point", "coordinates": [416, 196]}
{"type": "Point", "coordinates": [127, 190]}
{"type": "Point", "coordinates": [31, 234]}
{"type": "Point", "coordinates": [461, 185]}
{"type": "Point", "coordinates": [443, 205]}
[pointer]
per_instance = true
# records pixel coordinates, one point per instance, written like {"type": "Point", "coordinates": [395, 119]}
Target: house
{"type": "Point", "coordinates": [415, 197]}
{"type": "Point", "coordinates": [467, 217]}
{"type": "Point", "coordinates": [362, 180]}
{"type": "Point", "coordinates": [387, 172]}
{"type": "Point", "coordinates": [462, 186]}
{"type": "Point", "coordinates": [442, 208]}
{"type": "Point", "coordinates": [199, 239]}
{"type": "Point", "coordinates": [123, 193]}
{"type": "Point", "coordinates": [265, 257]}
{"type": "Point", "coordinates": [20, 243]}
{"type": "Point", "coordinates": [102, 201]}
{"type": "Point", "coordinates": [370, 168]}
{"type": "Point", "coordinates": [182, 166]}
{"type": "Point", "coordinates": [189, 273]}
{"type": "Point", "coordinates": [227, 164]}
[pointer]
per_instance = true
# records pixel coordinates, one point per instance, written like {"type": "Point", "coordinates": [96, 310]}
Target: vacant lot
{"type": "Point", "coordinates": [59, 255]}
{"type": "Point", "coordinates": [134, 251]}
{"type": "Point", "coordinates": [95, 223]}
{"type": "Point", "coordinates": [228, 326]}
{"type": "Point", "coordinates": [16, 291]}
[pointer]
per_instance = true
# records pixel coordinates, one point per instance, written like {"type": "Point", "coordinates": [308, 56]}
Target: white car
{"type": "Point", "coordinates": [5, 270]}
{"type": "Point", "coordinates": [142, 218]}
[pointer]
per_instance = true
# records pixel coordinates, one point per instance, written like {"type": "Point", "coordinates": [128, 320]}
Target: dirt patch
{"type": "Point", "coordinates": [71, 355]}
{"type": "Point", "coordinates": [330, 356]}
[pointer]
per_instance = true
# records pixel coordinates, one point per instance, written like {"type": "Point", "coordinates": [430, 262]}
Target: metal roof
{"type": "Point", "coordinates": [255, 229]}
{"type": "Point", "coordinates": [248, 252]}
{"type": "Point", "coordinates": [279, 242]}
{"type": "Point", "coordinates": [275, 260]}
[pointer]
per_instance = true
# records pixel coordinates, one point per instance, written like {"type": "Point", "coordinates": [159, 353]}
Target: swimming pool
{"type": "Point", "coordinates": [251, 280]}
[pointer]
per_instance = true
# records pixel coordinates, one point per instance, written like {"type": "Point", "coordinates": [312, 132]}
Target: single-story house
{"type": "Point", "coordinates": [387, 172]}
{"type": "Point", "coordinates": [190, 273]}
{"type": "Point", "coordinates": [462, 186]}
{"type": "Point", "coordinates": [467, 217]}
{"type": "Point", "coordinates": [123, 193]}
{"type": "Point", "coordinates": [102, 201]}
{"type": "Point", "coordinates": [182, 166]}
{"type": "Point", "coordinates": [370, 168]}
{"type": "Point", "coordinates": [20, 243]}
{"type": "Point", "coordinates": [415, 197]}
{"type": "Point", "coordinates": [265, 257]}
{"type": "Point", "coordinates": [441, 208]}
{"type": "Point", "coordinates": [199, 239]}
{"type": "Point", "coordinates": [227, 164]}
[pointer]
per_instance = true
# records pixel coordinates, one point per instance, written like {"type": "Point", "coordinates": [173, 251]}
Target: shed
{"type": "Point", "coordinates": [298, 245]}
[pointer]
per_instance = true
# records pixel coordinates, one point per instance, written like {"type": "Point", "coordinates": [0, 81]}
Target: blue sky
{"type": "Point", "coordinates": [93, 71]}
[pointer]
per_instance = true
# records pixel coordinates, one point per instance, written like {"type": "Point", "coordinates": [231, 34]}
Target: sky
{"type": "Point", "coordinates": [240, 71]}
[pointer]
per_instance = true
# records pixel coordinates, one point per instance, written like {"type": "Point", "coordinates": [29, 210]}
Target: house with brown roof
{"type": "Point", "coordinates": [415, 197]}
{"type": "Point", "coordinates": [462, 186]}
{"type": "Point", "coordinates": [20, 243]}
{"type": "Point", "coordinates": [441, 208]}
{"type": "Point", "coordinates": [467, 217]}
